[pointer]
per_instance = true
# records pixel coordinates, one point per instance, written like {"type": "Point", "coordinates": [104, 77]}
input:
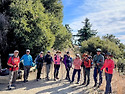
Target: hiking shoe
{"type": "Point", "coordinates": [95, 85]}
{"type": "Point", "coordinates": [83, 83]}
{"type": "Point", "coordinates": [25, 81]}
{"type": "Point", "coordinates": [57, 78]}
{"type": "Point", "coordinates": [13, 85]}
{"type": "Point", "coordinates": [54, 79]}
{"type": "Point", "coordinates": [9, 88]}
{"type": "Point", "coordinates": [71, 82]}
{"type": "Point", "coordinates": [77, 83]}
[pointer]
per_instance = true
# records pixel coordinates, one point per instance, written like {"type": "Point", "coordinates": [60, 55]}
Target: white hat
{"type": "Point", "coordinates": [16, 51]}
{"type": "Point", "coordinates": [41, 52]}
{"type": "Point", "coordinates": [99, 50]}
{"type": "Point", "coordinates": [27, 50]}
{"type": "Point", "coordinates": [78, 55]}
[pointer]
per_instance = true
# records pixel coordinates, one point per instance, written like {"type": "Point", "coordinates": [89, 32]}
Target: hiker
{"type": "Point", "coordinates": [13, 63]}
{"type": "Point", "coordinates": [108, 66]}
{"type": "Point", "coordinates": [68, 64]}
{"type": "Point", "coordinates": [48, 60]}
{"type": "Point", "coordinates": [27, 62]}
{"type": "Point", "coordinates": [87, 64]}
{"type": "Point", "coordinates": [57, 61]}
{"type": "Point", "coordinates": [98, 60]}
{"type": "Point", "coordinates": [39, 63]}
{"type": "Point", "coordinates": [77, 68]}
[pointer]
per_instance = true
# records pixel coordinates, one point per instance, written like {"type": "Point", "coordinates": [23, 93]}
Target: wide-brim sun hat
{"type": "Point", "coordinates": [85, 54]}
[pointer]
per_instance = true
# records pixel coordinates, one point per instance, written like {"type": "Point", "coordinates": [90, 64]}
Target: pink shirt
{"type": "Point", "coordinates": [109, 63]}
{"type": "Point", "coordinates": [57, 59]}
{"type": "Point", "coordinates": [77, 63]}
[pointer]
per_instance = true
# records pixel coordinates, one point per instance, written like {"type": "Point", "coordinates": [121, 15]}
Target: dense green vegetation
{"type": "Point", "coordinates": [35, 25]}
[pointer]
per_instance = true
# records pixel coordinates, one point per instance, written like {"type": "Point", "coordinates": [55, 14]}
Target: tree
{"type": "Point", "coordinates": [112, 38]}
{"type": "Point", "coordinates": [63, 39]}
{"type": "Point", "coordinates": [85, 32]}
{"type": "Point", "coordinates": [95, 42]}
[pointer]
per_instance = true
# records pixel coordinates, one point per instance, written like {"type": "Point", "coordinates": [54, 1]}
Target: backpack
{"type": "Point", "coordinates": [4, 72]}
{"type": "Point", "coordinates": [90, 58]}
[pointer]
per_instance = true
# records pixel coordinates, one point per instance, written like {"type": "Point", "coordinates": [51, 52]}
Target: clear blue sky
{"type": "Point", "coordinates": [106, 16]}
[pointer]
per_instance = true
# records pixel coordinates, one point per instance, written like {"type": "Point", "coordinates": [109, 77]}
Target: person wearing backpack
{"type": "Point", "coordinates": [48, 60]}
{"type": "Point", "coordinates": [68, 64]}
{"type": "Point", "coordinates": [108, 66]}
{"type": "Point", "coordinates": [27, 62]}
{"type": "Point", "coordinates": [98, 61]}
{"type": "Point", "coordinates": [13, 62]}
{"type": "Point", "coordinates": [87, 64]}
{"type": "Point", "coordinates": [57, 60]}
{"type": "Point", "coordinates": [39, 63]}
{"type": "Point", "coordinates": [77, 68]}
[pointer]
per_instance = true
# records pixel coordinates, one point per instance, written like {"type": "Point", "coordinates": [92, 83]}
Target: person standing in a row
{"type": "Point", "coordinates": [13, 62]}
{"type": "Point", "coordinates": [39, 63]}
{"type": "Point", "coordinates": [108, 66]}
{"type": "Point", "coordinates": [27, 61]}
{"type": "Point", "coordinates": [87, 64]}
{"type": "Point", "coordinates": [57, 61]}
{"type": "Point", "coordinates": [98, 61]}
{"type": "Point", "coordinates": [77, 68]}
{"type": "Point", "coordinates": [68, 64]}
{"type": "Point", "coordinates": [48, 60]}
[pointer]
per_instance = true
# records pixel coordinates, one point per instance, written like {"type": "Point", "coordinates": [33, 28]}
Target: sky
{"type": "Point", "coordinates": [106, 16]}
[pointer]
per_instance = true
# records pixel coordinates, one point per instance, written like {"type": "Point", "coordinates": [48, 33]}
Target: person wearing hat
{"type": "Point", "coordinates": [77, 68]}
{"type": "Point", "coordinates": [48, 60]}
{"type": "Point", "coordinates": [98, 61]}
{"type": "Point", "coordinates": [13, 62]}
{"type": "Point", "coordinates": [108, 66]}
{"type": "Point", "coordinates": [57, 60]}
{"type": "Point", "coordinates": [68, 64]}
{"type": "Point", "coordinates": [87, 65]}
{"type": "Point", "coordinates": [27, 62]}
{"type": "Point", "coordinates": [39, 63]}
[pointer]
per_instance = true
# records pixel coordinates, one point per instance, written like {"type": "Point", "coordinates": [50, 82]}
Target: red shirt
{"type": "Point", "coordinates": [109, 63]}
{"type": "Point", "coordinates": [87, 63]}
{"type": "Point", "coordinates": [14, 61]}
{"type": "Point", "coordinates": [77, 63]}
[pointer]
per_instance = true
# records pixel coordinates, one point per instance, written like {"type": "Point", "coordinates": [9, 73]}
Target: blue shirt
{"type": "Point", "coordinates": [27, 60]}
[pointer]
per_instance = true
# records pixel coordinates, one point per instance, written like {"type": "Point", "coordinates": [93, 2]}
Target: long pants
{"type": "Point", "coordinates": [48, 66]}
{"type": "Point", "coordinates": [108, 83]}
{"type": "Point", "coordinates": [67, 74]}
{"type": "Point", "coordinates": [26, 72]}
{"type": "Point", "coordinates": [56, 70]}
{"type": "Point", "coordinates": [12, 77]}
{"type": "Point", "coordinates": [96, 72]}
{"type": "Point", "coordinates": [74, 73]}
{"type": "Point", "coordinates": [87, 74]}
{"type": "Point", "coordinates": [39, 72]}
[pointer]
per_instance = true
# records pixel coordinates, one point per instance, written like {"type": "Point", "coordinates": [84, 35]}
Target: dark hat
{"type": "Point", "coordinates": [48, 52]}
{"type": "Point", "coordinates": [108, 54]}
{"type": "Point", "coordinates": [67, 52]}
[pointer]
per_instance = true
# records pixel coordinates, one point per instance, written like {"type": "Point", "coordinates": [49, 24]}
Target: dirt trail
{"type": "Point", "coordinates": [61, 86]}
